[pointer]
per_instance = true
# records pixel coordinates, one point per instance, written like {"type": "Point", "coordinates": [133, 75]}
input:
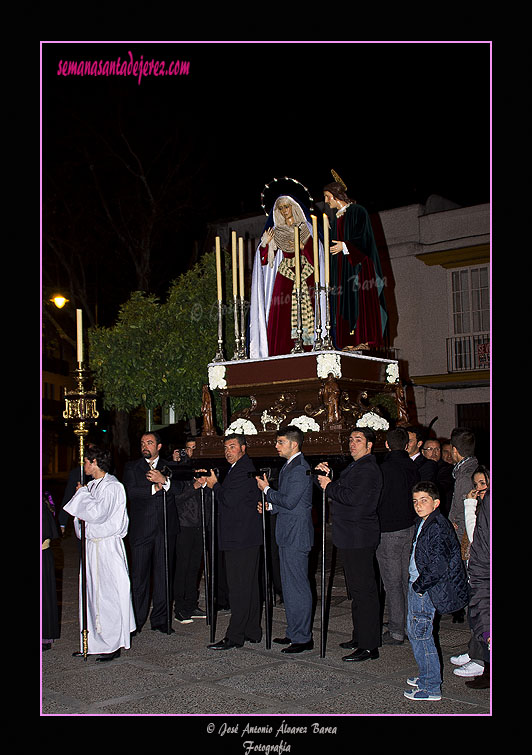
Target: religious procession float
{"type": "Point", "coordinates": [309, 344]}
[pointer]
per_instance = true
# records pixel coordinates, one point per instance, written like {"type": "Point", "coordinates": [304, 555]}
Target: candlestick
{"type": "Point", "coordinates": [317, 288]}
{"type": "Point", "coordinates": [220, 357]}
{"type": "Point", "coordinates": [79, 340]}
{"type": "Point", "coordinates": [80, 409]}
{"type": "Point", "coordinates": [327, 341]}
{"type": "Point", "coordinates": [233, 251]}
{"type": "Point", "coordinates": [236, 353]}
{"type": "Point", "coordinates": [218, 269]}
{"type": "Point", "coordinates": [241, 311]}
{"type": "Point", "coordinates": [242, 348]}
{"type": "Point", "coordinates": [298, 341]}
{"type": "Point", "coordinates": [296, 252]}
{"type": "Point", "coordinates": [326, 246]}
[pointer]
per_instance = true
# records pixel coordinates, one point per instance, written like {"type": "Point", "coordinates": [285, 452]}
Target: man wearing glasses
{"type": "Point", "coordinates": [432, 451]}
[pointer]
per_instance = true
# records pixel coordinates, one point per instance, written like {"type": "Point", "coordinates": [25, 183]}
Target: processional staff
{"type": "Point", "coordinates": [267, 591]}
{"type": "Point", "coordinates": [167, 472]}
{"type": "Point", "coordinates": [323, 596]}
{"type": "Point", "coordinates": [323, 628]}
{"type": "Point", "coordinates": [206, 570]}
{"type": "Point", "coordinates": [80, 410]}
{"type": "Point", "coordinates": [213, 566]}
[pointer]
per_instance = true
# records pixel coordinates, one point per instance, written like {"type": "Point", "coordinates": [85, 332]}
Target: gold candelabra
{"type": "Point", "coordinates": [80, 411]}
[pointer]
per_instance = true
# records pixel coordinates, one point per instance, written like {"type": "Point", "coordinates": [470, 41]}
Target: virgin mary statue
{"type": "Point", "coordinates": [273, 311]}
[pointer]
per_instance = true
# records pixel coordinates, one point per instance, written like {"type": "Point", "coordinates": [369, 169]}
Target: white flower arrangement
{"type": "Point", "coordinates": [326, 363]}
{"type": "Point", "coordinates": [392, 373]}
{"type": "Point", "coordinates": [242, 427]}
{"type": "Point", "coordinates": [370, 419]}
{"type": "Point", "coordinates": [217, 376]}
{"type": "Point", "coordinates": [305, 424]}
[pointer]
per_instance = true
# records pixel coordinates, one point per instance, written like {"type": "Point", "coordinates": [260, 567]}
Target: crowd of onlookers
{"type": "Point", "coordinates": [420, 513]}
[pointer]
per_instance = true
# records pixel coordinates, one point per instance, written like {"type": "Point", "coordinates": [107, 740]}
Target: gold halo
{"type": "Point", "coordinates": [338, 179]}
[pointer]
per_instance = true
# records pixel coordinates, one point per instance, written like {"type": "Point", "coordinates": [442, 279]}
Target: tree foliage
{"type": "Point", "coordinates": [157, 352]}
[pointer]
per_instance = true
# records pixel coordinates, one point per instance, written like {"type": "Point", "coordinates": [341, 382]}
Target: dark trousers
{"type": "Point", "coordinates": [242, 572]}
{"type": "Point", "coordinates": [274, 564]}
{"type": "Point", "coordinates": [297, 594]}
{"type": "Point", "coordinates": [148, 568]}
{"type": "Point", "coordinates": [189, 554]}
{"type": "Point", "coordinates": [221, 588]}
{"type": "Point", "coordinates": [359, 568]}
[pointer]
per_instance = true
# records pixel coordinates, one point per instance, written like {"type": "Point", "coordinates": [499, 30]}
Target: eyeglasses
{"type": "Point", "coordinates": [434, 448]}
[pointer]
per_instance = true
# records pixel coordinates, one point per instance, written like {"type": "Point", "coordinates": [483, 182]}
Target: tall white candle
{"type": "Point", "coordinates": [326, 246]}
{"type": "Point", "coordinates": [296, 252]}
{"type": "Point", "coordinates": [315, 249]}
{"type": "Point", "coordinates": [79, 334]}
{"type": "Point", "coordinates": [233, 251]}
{"type": "Point", "coordinates": [241, 266]}
{"type": "Point", "coordinates": [218, 269]}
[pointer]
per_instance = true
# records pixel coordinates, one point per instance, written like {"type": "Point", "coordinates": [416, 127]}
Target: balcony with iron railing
{"type": "Point", "coordinates": [468, 353]}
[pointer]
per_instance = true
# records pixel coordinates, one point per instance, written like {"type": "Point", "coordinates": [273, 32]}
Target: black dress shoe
{"type": "Point", "coordinates": [361, 655]}
{"type": "Point", "coordinates": [77, 654]}
{"type": "Point", "coordinates": [351, 645]}
{"type": "Point", "coordinates": [108, 656]}
{"type": "Point", "coordinates": [163, 628]}
{"type": "Point", "coordinates": [249, 639]}
{"type": "Point", "coordinates": [298, 647]}
{"type": "Point", "coordinates": [282, 640]}
{"type": "Point", "coordinates": [225, 644]}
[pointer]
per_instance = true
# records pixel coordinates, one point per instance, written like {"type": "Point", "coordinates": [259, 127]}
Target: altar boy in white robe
{"type": "Point", "coordinates": [102, 505]}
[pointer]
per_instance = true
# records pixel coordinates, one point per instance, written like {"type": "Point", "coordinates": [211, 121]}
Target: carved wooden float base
{"type": "Point", "coordinates": [329, 392]}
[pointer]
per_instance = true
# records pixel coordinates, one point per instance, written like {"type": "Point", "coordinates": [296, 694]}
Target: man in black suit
{"type": "Point", "coordinates": [240, 539]}
{"type": "Point", "coordinates": [146, 486]}
{"type": "Point", "coordinates": [444, 475]}
{"type": "Point", "coordinates": [397, 522]}
{"type": "Point", "coordinates": [294, 533]}
{"type": "Point", "coordinates": [427, 467]}
{"type": "Point", "coordinates": [189, 544]}
{"type": "Point", "coordinates": [354, 499]}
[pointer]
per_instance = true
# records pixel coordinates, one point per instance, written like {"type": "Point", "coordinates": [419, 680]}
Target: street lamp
{"type": "Point", "coordinates": [59, 300]}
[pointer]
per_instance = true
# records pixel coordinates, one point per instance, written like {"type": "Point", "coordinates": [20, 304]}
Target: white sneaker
{"type": "Point", "coordinates": [469, 669]}
{"type": "Point", "coordinates": [419, 694]}
{"type": "Point", "coordinates": [460, 660]}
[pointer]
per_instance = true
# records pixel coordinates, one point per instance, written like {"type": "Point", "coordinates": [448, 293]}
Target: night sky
{"type": "Point", "coordinates": [397, 121]}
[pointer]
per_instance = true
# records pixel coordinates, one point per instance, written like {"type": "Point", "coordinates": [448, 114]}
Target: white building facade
{"type": "Point", "coordinates": [439, 257]}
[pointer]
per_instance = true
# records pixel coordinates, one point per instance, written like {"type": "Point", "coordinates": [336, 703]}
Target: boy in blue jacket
{"type": "Point", "coordinates": [437, 582]}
